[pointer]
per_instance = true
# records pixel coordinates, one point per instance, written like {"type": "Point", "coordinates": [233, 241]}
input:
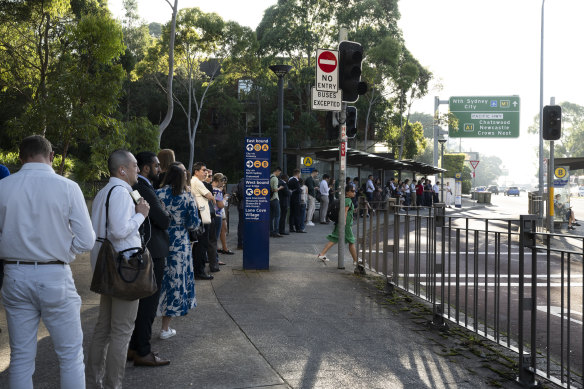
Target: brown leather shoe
{"type": "Point", "coordinates": [131, 354]}
{"type": "Point", "coordinates": [150, 360]}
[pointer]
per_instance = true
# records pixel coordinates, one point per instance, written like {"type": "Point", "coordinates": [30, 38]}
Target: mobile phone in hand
{"type": "Point", "coordinates": [136, 196]}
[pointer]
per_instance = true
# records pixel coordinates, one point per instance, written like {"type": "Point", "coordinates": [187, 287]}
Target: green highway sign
{"type": "Point", "coordinates": [485, 116]}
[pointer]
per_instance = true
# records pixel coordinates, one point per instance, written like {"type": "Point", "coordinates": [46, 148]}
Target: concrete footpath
{"type": "Point", "coordinates": [302, 324]}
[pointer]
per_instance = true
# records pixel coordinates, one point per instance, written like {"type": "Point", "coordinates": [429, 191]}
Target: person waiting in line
{"type": "Point", "coordinates": [303, 203]}
{"type": "Point", "coordinates": [349, 237]}
{"type": "Point", "coordinates": [223, 236]}
{"type": "Point", "coordinates": [284, 194]}
{"type": "Point", "coordinates": [177, 292]}
{"type": "Point", "coordinates": [44, 225]}
{"type": "Point", "coordinates": [311, 204]}
{"type": "Point", "coordinates": [274, 206]}
{"type": "Point", "coordinates": [166, 158]}
{"type": "Point", "coordinates": [324, 198]}
{"type": "Point", "coordinates": [419, 193]}
{"type": "Point", "coordinates": [217, 185]}
{"type": "Point", "coordinates": [155, 232]}
{"type": "Point", "coordinates": [108, 350]}
{"type": "Point", "coordinates": [449, 195]}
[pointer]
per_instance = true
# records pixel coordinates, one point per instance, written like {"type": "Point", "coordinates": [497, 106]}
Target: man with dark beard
{"type": "Point", "coordinates": [155, 232]}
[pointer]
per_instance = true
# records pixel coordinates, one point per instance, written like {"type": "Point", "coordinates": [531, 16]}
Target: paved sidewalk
{"type": "Point", "coordinates": [302, 324]}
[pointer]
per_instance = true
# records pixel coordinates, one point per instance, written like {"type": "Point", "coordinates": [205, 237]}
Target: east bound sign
{"type": "Point", "coordinates": [327, 70]}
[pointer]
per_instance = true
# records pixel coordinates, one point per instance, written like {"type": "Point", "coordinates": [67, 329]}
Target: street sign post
{"type": "Point", "coordinates": [485, 116]}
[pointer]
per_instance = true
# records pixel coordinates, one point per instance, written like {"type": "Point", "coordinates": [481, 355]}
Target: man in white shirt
{"type": "Point", "coordinates": [369, 188]}
{"type": "Point", "coordinates": [435, 192]}
{"type": "Point", "coordinates": [324, 198]}
{"type": "Point", "coordinates": [202, 196]}
{"type": "Point", "coordinates": [107, 353]}
{"type": "Point", "coordinates": [44, 224]}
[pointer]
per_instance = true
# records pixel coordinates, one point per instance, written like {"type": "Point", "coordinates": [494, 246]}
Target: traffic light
{"type": "Point", "coordinates": [552, 122]}
{"type": "Point", "coordinates": [332, 126]}
{"type": "Point", "coordinates": [350, 57]}
{"type": "Point", "coordinates": [351, 121]}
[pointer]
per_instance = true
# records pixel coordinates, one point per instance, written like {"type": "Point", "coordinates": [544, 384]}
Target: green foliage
{"type": "Point", "coordinates": [454, 163]}
{"type": "Point", "coordinates": [11, 160]}
{"type": "Point", "coordinates": [141, 135]}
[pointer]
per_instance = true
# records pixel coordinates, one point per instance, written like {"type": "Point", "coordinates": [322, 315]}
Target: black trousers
{"type": "Point", "coordinates": [294, 219]}
{"type": "Point", "coordinates": [140, 340]}
{"type": "Point", "coordinates": [283, 212]}
{"type": "Point", "coordinates": [200, 252]}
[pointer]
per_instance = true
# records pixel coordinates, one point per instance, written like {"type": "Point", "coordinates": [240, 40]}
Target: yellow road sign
{"type": "Point", "coordinates": [560, 172]}
{"type": "Point", "coordinates": [308, 161]}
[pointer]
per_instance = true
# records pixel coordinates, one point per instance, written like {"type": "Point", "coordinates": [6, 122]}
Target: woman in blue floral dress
{"type": "Point", "coordinates": [177, 292]}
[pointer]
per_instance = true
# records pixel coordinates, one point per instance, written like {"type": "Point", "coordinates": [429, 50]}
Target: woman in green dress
{"type": "Point", "coordinates": [349, 237]}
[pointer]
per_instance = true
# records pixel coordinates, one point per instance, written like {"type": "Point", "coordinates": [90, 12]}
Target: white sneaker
{"type": "Point", "coordinates": [167, 334]}
{"type": "Point", "coordinates": [311, 224]}
{"type": "Point", "coordinates": [323, 258]}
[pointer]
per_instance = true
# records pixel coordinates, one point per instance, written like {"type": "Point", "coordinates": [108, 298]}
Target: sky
{"type": "Point", "coordinates": [473, 48]}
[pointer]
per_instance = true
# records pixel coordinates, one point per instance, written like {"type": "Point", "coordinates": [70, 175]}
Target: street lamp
{"type": "Point", "coordinates": [280, 71]}
{"type": "Point", "coordinates": [442, 141]}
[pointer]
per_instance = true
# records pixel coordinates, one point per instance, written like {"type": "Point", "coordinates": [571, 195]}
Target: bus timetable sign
{"type": "Point", "coordinates": [485, 116]}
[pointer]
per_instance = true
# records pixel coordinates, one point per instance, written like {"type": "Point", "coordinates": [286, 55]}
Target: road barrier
{"type": "Point", "coordinates": [480, 273]}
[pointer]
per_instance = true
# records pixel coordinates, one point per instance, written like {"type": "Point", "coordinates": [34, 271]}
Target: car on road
{"type": "Point", "coordinates": [493, 189]}
{"type": "Point", "coordinates": [512, 191]}
{"type": "Point", "coordinates": [480, 189]}
{"type": "Point", "coordinates": [581, 191]}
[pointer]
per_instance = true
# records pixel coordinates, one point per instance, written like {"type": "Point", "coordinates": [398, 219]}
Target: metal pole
{"type": "Point", "coordinates": [343, 33]}
{"type": "Point", "coordinates": [550, 180]}
{"type": "Point", "coordinates": [541, 115]}
{"type": "Point", "coordinates": [442, 173]}
{"type": "Point", "coordinates": [435, 128]}
{"type": "Point", "coordinates": [281, 121]}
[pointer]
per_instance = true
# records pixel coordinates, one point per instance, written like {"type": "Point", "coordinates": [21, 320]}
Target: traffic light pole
{"type": "Point", "coordinates": [550, 182]}
{"type": "Point", "coordinates": [343, 34]}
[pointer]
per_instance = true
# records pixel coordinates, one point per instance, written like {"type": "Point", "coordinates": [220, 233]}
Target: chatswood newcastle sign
{"type": "Point", "coordinates": [485, 116]}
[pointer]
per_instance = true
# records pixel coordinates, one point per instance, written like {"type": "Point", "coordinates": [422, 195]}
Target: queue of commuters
{"type": "Point", "coordinates": [179, 219]}
{"type": "Point", "coordinates": [42, 231]}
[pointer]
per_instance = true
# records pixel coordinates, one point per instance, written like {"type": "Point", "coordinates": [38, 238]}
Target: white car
{"type": "Point", "coordinates": [581, 191]}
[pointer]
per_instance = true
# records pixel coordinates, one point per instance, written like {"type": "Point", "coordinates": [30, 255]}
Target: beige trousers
{"type": "Point", "coordinates": [108, 350]}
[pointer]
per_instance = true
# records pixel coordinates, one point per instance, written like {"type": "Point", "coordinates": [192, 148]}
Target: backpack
{"type": "Point", "coordinates": [333, 211]}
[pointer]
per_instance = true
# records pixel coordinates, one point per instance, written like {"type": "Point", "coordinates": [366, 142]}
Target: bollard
{"type": "Point", "coordinates": [439, 214]}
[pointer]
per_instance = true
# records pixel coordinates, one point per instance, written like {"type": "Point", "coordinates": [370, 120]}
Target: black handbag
{"type": "Point", "coordinates": [116, 274]}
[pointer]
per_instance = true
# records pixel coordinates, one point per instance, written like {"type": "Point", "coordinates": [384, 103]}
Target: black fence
{"type": "Point", "coordinates": [503, 279]}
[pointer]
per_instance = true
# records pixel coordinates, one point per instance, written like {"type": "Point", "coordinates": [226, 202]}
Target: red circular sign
{"type": "Point", "coordinates": [327, 61]}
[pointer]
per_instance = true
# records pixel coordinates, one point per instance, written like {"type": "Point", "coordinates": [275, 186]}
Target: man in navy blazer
{"type": "Point", "coordinates": [155, 232]}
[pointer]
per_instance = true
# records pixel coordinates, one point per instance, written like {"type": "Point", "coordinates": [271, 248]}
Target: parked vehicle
{"type": "Point", "coordinates": [581, 191]}
{"type": "Point", "coordinates": [493, 189]}
{"type": "Point", "coordinates": [512, 191]}
{"type": "Point", "coordinates": [481, 189]}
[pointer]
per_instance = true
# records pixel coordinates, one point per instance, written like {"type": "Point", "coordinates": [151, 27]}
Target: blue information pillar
{"type": "Point", "coordinates": [256, 212]}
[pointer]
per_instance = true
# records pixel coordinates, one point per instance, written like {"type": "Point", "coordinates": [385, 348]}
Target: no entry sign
{"type": "Point", "coordinates": [327, 61]}
{"type": "Point", "coordinates": [327, 70]}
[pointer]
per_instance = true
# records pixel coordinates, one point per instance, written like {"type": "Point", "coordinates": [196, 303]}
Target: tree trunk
{"type": "Point", "coordinates": [169, 97]}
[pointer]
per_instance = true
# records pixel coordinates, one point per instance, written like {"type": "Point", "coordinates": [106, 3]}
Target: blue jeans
{"type": "Point", "coordinates": [302, 216]}
{"type": "Point", "coordinates": [274, 216]}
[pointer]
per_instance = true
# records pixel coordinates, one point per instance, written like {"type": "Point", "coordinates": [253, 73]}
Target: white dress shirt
{"type": "Point", "coordinates": [324, 188]}
{"type": "Point", "coordinates": [370, 187]}
{"type": "Point", "coordinates": [43, 216]}
{"type": "Point", "coordinates": [123, 222]}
